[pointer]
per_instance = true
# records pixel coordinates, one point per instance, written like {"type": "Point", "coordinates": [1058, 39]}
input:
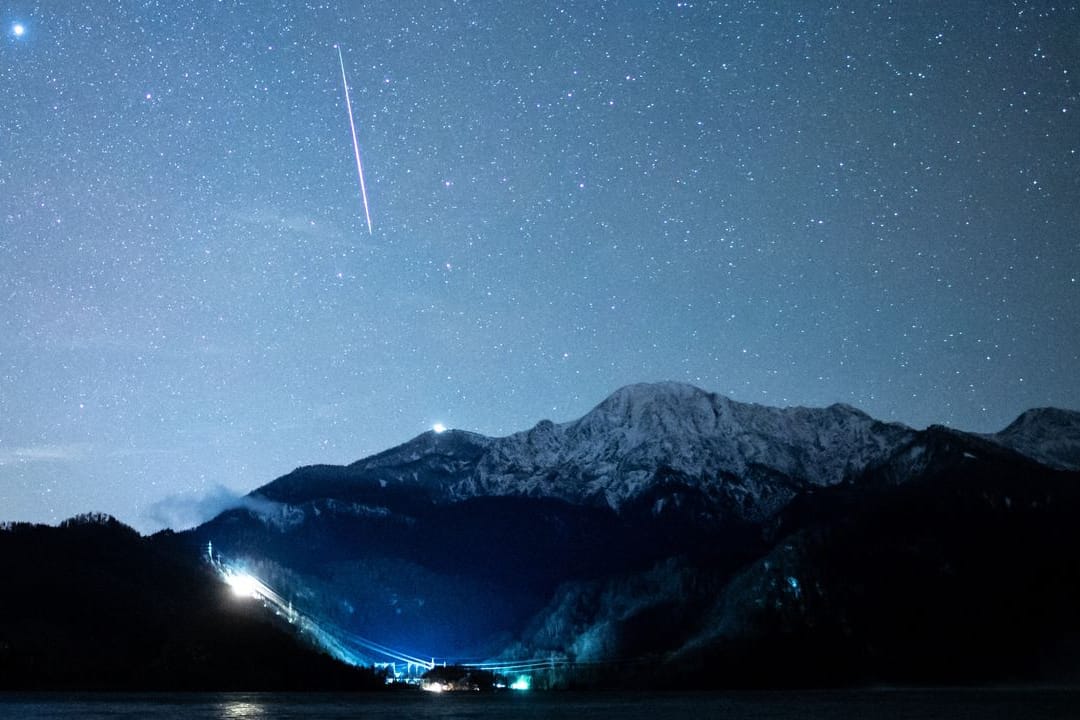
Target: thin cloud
{"type": "Point", "coordinates": [180, 512]}
{"type": "Point", "coordinates": [46, 453]}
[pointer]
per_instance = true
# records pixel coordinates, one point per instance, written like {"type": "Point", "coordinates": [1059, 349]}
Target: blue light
{"type": "Point", "coordinates": [522, 683]}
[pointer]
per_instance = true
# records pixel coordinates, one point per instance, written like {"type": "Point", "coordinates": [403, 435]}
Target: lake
{"type": "Point", "coordinates": [907, 704]}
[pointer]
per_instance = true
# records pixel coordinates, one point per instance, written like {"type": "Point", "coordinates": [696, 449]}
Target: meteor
{"type": "Point", "coordinates": [355, 144]}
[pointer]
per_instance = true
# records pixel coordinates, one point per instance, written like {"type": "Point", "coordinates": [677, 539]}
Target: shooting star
{"type": "Point", "coordinates": [355, 144]}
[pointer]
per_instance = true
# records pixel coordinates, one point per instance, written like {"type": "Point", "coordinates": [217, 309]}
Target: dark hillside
{"type": "Point", "coordinates": [92, 605]}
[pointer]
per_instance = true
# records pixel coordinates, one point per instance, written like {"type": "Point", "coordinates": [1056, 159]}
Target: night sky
{"type": "Point", "coordinates": [790, 203]}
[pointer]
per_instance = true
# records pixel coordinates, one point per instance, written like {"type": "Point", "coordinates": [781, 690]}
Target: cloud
{"type": "Point", "coordinates": [56, 453]}
{"type": "Point", "coordinates": [181, 512]}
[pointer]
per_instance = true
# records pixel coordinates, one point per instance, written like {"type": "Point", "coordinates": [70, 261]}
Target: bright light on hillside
{"type": "Point", "coordinates": [243, 585]}
{"type": "Point", "coordinates": [439, 428]}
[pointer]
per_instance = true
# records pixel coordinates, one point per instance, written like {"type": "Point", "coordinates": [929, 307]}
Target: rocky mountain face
{"type": "Point", "coordinates": [747, 460]}
{"type": "Point", "coordinates": [650, 527]}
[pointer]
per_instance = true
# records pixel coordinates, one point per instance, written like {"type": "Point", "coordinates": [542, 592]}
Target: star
{"type": "Point", "coordinates": [792, 228]}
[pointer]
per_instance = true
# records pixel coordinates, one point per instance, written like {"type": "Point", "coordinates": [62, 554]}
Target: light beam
{"type": "Point", "coordinates": [355, 144]}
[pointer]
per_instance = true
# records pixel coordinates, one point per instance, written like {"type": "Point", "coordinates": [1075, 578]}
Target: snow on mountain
{"type": "Point", "coordinates": [457, 449]}
{"type": "Point", "coordinates": [748, 457]}
{"type": "Point", "coordinates": [612, 454]}
{"type": "Point", "coordinates": [1049, 435]}
{"type": "Point", "coordinates": [646, 439]}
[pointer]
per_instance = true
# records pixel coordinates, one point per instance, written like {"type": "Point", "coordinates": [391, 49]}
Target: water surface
{"type": "Point", "coordinates": [831, 705]}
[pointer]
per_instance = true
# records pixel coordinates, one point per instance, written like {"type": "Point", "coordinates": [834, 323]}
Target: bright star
{"type": "Point", "coordinates": [18, 29]}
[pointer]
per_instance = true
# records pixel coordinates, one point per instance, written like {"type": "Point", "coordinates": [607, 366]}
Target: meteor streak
{"type": "Point", "coordinates": [355, 144]}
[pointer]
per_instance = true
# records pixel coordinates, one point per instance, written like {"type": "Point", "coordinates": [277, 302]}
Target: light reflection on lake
{"type": "Point", "coordinates": [242, 710]}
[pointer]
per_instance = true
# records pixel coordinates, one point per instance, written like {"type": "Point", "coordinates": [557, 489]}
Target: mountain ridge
{"type": "Point", "coordinates": [668, 538]}
{"type": "Point", "coordinates": [747, 457]}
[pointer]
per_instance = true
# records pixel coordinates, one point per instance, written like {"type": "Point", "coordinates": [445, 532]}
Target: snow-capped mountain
{"type": "Point", "coordinates": [745, 459]}
{"type": "Point", "coordinates": [748, 458]}
{"type": "Point", "coordinates": [752, 454]}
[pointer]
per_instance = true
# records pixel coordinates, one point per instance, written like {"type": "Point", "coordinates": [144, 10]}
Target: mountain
{"type": "Point", "coordinates": [746, 460]}
{"type": "Point", "coordinates": [962, 573]}
{"type": "Point", "coordinates": [623, 534]}
{"type": "Point", "coordinates": [91, 605]}
{"type": "Point", "coordinates": [668, 538]}
{"type": "Point", "coordinates": [398, 543]}
{"type": "Point", "coordinates": [1049, 435]}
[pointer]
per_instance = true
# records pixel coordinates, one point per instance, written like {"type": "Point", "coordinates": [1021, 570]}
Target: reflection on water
{"type": "Point", "coordinates": [236, 710]}
{"type": "Point", "coordinates": [1005, 704]}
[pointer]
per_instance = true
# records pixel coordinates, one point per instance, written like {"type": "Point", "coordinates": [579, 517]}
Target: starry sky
{"type": "Point", "coordinates": [790, 203]}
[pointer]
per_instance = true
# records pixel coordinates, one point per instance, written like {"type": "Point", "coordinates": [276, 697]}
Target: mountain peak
{"type": "Point", "coordinates": [1045, 418]}
{"type": "Point", "coordinates": [1049, 435]}
{"type": "Point", "coordinates": [650, 408]}
{"type": "Point", "coordinates": [615, 452]}
{"type": "Point", "coordinates": [645, 393]}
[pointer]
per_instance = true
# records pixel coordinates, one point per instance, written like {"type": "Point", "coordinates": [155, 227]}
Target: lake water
{"type": "Point", "coordinates": [843, 705]}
